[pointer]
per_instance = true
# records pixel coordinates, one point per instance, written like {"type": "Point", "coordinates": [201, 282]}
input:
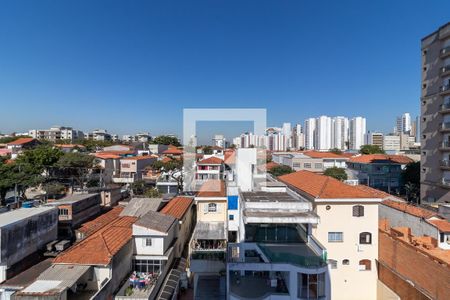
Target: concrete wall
{"type": "Point", "coordinates": [347, 281]}
{"type": "Point", "coordinates": [27, 236]}
{"type": "Point", "coordinates": [219, 216]}
{"type": "Point", "coordinates": [160, 241]}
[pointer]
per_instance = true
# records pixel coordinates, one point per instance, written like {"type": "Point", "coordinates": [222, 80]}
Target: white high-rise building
{"type": "Point", "coordinates": [340, 133]}
{"type": "Point", "coordinates": [323, 133]}
{"type": "Point", "coordinates": [286, 129]}
{"type": "Point", "coordinates": [357, 132]}
{"type": "Point", "coordinates": [406, 123]}
{"type": "Point", "coordinates": [298, 138]}
{"type": "Point", "coordinates": [310, 132]}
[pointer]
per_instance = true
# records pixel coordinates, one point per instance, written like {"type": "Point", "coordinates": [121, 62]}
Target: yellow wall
{"type": "Point", "coordinates": [219, 216]}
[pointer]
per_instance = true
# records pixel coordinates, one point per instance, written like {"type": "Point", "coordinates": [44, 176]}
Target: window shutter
{"type": "Point", "coordinates": [205, 208]}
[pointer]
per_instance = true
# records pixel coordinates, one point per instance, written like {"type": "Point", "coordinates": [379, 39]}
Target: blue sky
{"type": "Point", "coordinates": [131, 66]}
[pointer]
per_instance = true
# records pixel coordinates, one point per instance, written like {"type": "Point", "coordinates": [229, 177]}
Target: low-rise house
{"type": "Point", "coordinates": [23, 232]}
{"type": "Point", "coordinates": [154, 236]}
{"type": "Point", "coordinates": [313, 161]}
{"type": "Point", "coordinates": [74, 210]}
{"type": "Point", "coordinates": [89, 228]}
{"type": "Point", "coordinates": [67, 148]}
{"type": "Point", "coordinates": [210, 168]}
{"type": "Point", "coordinates": [157, 148]}
{"type": "Point", "coordinates": [348, 230]}
{"type": "Point", "coordinates": [137, 207]}
{"type": "Point", "coordinates": [379, 171]}
{"type": "Point", "coordinates": [109, 165]}
{"type": "Point", "coordinates": [133, 168]}
{"type": "Point", "coordinates": [21, 144]}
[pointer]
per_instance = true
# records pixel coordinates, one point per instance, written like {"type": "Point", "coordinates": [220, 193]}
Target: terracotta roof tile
{"type": "Point", "coordinates": [230, 157]}
{"type": "Point", "coordinates": [22, 141]}
{"type": "Point", "coordinates": [318, 154]}
{"type": "Point", "coordinates": [373, 158]}
{"type": "Point", "coordinates": [212, 188]}
{"type": "Point", "coordinates": [177, 207]}
{"type": "Point", "coordinates": [100, 247]}
{"type": "Point", "coordinates": [324, 187]}
{"type": "Point", "coordinates": [410, 209]}
{"type": "Point", "coordinates": [98, 223]}
{"type": "Point", "coordinates": [173, 151]}
{"type": "Point", "coordinates": [210, 161]}
{"type": "Point", "coordinates": [442, 225]}
{"type": "Point", "coordinates": [103, 155]}
{"type": "Point", "coordinates": [142, 157]}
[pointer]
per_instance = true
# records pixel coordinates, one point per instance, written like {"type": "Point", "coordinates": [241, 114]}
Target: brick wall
{"type": "Point", "coordinates": [406, 260]}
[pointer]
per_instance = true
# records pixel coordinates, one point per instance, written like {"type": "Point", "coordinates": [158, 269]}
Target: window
{"type": "Point", "coordinates": [147, 242]}
{"type": "Point", "coordinates": [318, 166]}
{"type": "Point", "coordinates": [231, 217]}
{"type": "Point", "coordinates": [63, 212]}
{"type": "Point", "coordinates": [307, 165]}
{"type": "Point", "coordinates": [334, 237]}
{"type": "Point", "coordinates": [148, 266]}
{"type": "Point", "coordinates": [345, 262]}
{"type": "Point", "coordinates": [365, 265]}
{"type": "Point", "coordinates": [365, 238]}
{"type": "Point", "coordinates": [358, 211]}
{"type": "Point", "coordinates": [296, 165]}
{"type": "Point", "coordinates": [310, 286]}
{"type": "Point", "coordinates": [212, 207]}
{"type": "Point", "coordinates": [332, 263]}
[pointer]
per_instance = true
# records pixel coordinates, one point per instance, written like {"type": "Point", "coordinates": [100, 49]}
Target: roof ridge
{"type": "Point", "coordinates": [104, 242]}
{"type": "Point", "coordinates": [324, 186]}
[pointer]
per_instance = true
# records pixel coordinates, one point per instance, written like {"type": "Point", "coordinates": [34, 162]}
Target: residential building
{"type": "Point", "coordinates": [276, 256]}
{"type": "Point", "coordinates": [323, 133]}
{"type": "Point", "coordinates": [310, 132]}
{"type": "Point", "coordinates": [348, 230]}
{"type": "Point", "coordinates": [357, 132]}
{"type": "Point", "coordinates": [75, 209]}
{"type": "Point", "coordinates": [24, 231]}
{"type": "Point", "coordinates": [340, 130]}
{"type": "Point", "coordinates": [406, 123]}
{"type": "Point", "coordinates": [391, 143]}
{"type": "Point", "coordinates": [18, 146]}
{"type": "Point", "coordinates": [379, 171]}
{"type": "Point", "coordinates": [133, 168]}
{"type": "Point", "coordinates": [376, 139]}
{"type": "Point", "coordinates": [99, 135]}
{"type": "Point", "coordinates": [435, 117]}
{"type": "Point", "coordinates": [90, 227]}
{"type": "Point", "coordinates": [109, 165]}
{"type": "Point", "coordinates": [67, 148]}
{"type": "Point", "coordinates": [298, 137]}
{"type": "Point", "coordinates": [219, 141]}
{"type": "Point", "coordinates": [410, 265]}
{"type": "Point", "coordinates": [314, 161]}
{"type": "Point", "coordinates": [209, 168]}
{"type": "Point", "coordinates": [57, 133]}
{"type": "Point", "coordinates": [209, 241]}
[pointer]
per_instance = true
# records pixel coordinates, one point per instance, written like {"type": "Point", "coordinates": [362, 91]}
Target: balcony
{"type": "Point", "coordinates": [259, 285]}
{"type": "Point", "coordinates": [445, 52]}
{"type": "Point", "coordinates": [445, 146]}
{"type": "Point", "coordinates": [445, 108]}
{"type": "Point", "coordinates": [446, 182]}
{"type": "Point", "coordinates": [445, 70]}
{"type": "Point", "coordinates": [445, 127]}
{"type": "Point", "coordinates": [444, 89]}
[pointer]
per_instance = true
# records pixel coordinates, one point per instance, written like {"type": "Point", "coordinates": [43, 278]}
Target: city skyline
{"type": "Point", "coordinates": [58, 73]}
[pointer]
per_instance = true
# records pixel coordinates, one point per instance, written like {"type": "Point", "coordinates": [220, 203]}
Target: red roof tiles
{"type": "Point", "coordinates": [373, 158]}
{"type": "Point", "coordinates": [100, 247]}
{"type": "Point", "coordinates": [142, 157]}
{"type": "Point", "coordinates": [410, 209]}
{"type": "Point", "coordinates": [173, 151]}
{"type": "Point", "coordinates": [324, 187]}
{"type": "Point", "coordinates": [177, 207]}
{"type": "Point", "coordinates": [230, 157]}
{"type": "Point", "coordinates": [442, 225]}
{"type": "Point", "coordinates": [91, 227]}
{"type": "Point", "coordinates": [22, 141]}
{"type": "Point", "coordinates": [210, 161]}
{"type": "Point", "coordinates": [103, 155]}
{"type": "Point", "coordinates": [318, 154]}
{"type": "Point", "coordinates": [212, 188]}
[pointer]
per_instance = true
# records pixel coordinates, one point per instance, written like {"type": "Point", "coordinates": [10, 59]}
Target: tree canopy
{"type": "Point", "coordinates": [166, 140]}
{"type": "Point", "coordinates": [335, 172]}
{"type": "Point", "coordinates": [411, 179]}
{"type": "Point", "coordinates": [371, 149]}
{"type": "Point", "coordinates": [280, 170]}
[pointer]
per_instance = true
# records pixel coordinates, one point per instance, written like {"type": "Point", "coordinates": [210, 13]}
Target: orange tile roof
{"type": "Point", "coordinates": [373, 158]}
{"type": "Point", "coordinates": [100, 247]}
{"type": "Point", "coordinates": [91, 227]}
{"type": "Point", "coordinates": [142, 157]}
{"type": "Point", "coordinates": [230, 157]}
{"type": "Point", "coordinates": [103, 155]}
{"type": "Point", "coordinates": [318, 154]}
{"type": "Point", "coordinates": [166, 159]}
{"type": "Point", "coordinates": [381, 194]}
{"type": "Point", "coordinates": [324, 187]}
{"type": "Point", "coordinates": [69, 146]}
{"type": "Point", "coordinates": [173, 151]}
{"type": "Point", "coordinates": [410, 209]}
{"type": "Point", "coordinates": [21, 141]}
{"type": "Point", "coordinates": [442, 225]}
{"type": "Point", "coordinates": [177, 207]}
{"type": "Point", "coordinates": [119, 152]}
{"type": "Point", "coordinates": [212, 188]}
{"type": "Point", "coordinates": [210, 161]}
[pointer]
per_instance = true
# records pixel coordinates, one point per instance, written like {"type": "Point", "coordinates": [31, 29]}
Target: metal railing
{"type": "Point", "coordinates": [445, 69]}
{"type": "Point", "coordinates": [300, 260]}
{"type": "Point", "coordinates": [445, 163]}
{"type": "Point", "coordinates": [445, 51]}
{"type": "Point", "coordinates": [445, 87]}
{"type": "Point", "coordinates": [446, 144]}
{"type": "Point", "coordinates": [446, 181]}
{"type": "Point", "coordinates": [445, 125]}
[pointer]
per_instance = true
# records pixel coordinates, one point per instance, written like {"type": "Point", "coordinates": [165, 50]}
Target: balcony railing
{"type": "Point", "coordinates": [446, 144]}
{"type": "Point", "coordinates": [445, 126]}
{"type": "Point", "coordinates": [446, 182]}
{"type": "Point", "coordinates": [445, 51]}
{"type": "Point", "coordinates": [445, 88]}
{"type": "Point", "coordinates": [445, 163]}
{"type": "Point", "coordinates": [445, 69]}
{"type": "Point", "coordinates": [300, 260]}
{"type": "Point", "coordinates": [445, 106]}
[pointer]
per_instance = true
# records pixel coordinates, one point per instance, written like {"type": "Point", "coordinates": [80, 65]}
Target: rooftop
{"type": "Point", "coordinates": [210, 231]}
{"type": "Point", "coordinates": [137, 207]}
{"type": "Point", "coordinates": [211, 161]}
{"type": "Point", "coordinates": [325, 187]}
{"type": "Point", "coordinates": [90, 227]}
{"type": "Point", "coordinates": [100, 247]}
{"type": "Point", "coordinates": [72, 199]}
{"type": "Point", "coordinates": [177, 207]}
{"type": "Point", "coordinates": [26, 277]}
{"type": "Point", "coordinates": [441, 225]}
{"type": "Point", "coordinates": [381, 158]}
{"type": "Point", "coordinates": [142, 157]}
{"type": "Point", "coordinates": [173, 151]}
{"type": "Point", "coordinates": [156, 221]}
{"type": "Point", "coordinates": [410, 209]}
{"type": "Point", "coordinates": [22, 141]}
{"type": "Point", "coordinates": [212, 188]}
{"type": "Point", "coordinates": [268, 197]}
{"type": "Point", "coordinates": [17, 215]}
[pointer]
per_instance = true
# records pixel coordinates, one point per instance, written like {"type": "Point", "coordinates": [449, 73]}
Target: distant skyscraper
{"type": "Point", "coordinates": [323, 133]}
{"type": "Point", "coordinates": [310, 131]}
{"type": "Point", "coordinates": [357, 132]}
{"type": "Point", "coordinates": [286, 129]}
{"type": "Point", "coordinates": [406, 123]}
{"type": "Point", "coordinates": [339, 133]}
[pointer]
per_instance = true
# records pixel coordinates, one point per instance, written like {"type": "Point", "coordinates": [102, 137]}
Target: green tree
{"type": "Point", "coordinates": [138, 187]}
{"type": "Point", "coordinates": [166, 140]}
{"type": "Point", "coordinates": [75, 165]}
{"type": "Point", "coordinates": [371, 149]}
{"type": "Point", "coordinates": [280, 170]}
{"type": "Point", "coordinates": [6, 181]}
{"type": "Point", "coordinates": [411, 179]}
{"type": "Point", "coordinates": [152, 193]}
{"type": "Point", "coordinates": [39, 159]}
{"type": "Point", "coordinates": [336, 151]}
{"type": "Point", "coordinates": [335, 172]}
{"type": "Point", "coordinates": [53, 188]}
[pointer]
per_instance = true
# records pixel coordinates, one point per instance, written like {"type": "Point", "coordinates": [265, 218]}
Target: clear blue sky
{"type": "Point", "coordinates": [131, 66]}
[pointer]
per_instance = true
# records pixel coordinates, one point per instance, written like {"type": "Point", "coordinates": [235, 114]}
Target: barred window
{"type": "Point", "coordinates": [365, 238]}
{"type": "Point", "coordinates": [358, 211]}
